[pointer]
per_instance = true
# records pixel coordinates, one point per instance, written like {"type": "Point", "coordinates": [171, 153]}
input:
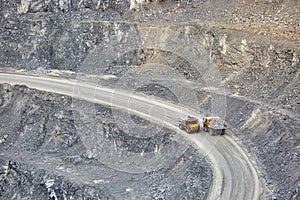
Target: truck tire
{"type": "Point", "coordinates": [223, 132]}
{"type": "Point", "coordinates": [188, 130]}
{"type": "Point", "coordinates": [180, 126]}
{"type": "Point", "coordinates": [205, 128]}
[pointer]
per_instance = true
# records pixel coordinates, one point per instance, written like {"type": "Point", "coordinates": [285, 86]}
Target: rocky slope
{"type": "Point", "coordinates": [42, 154]}
{"type": "Point", "coordinates": [260, 63]}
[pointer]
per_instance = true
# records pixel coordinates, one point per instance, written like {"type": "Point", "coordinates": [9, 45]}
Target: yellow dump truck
{"type": "Point", "coordinates": [214, 125]}
{"type": "Point", "coordinates": [190, 125]}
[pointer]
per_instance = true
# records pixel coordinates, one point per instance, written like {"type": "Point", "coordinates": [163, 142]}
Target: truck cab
{"type": "Point", "coordinates": [214, 125]}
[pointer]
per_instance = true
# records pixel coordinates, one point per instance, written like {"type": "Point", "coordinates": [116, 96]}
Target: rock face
{"type": "Point", "coordinates": [47, 33]}
{"type": "Point", "coordinates": [261, 62]}
{"type": "Point", "coordinates": [43, 156]}
{"type": "Point", "coordinates": [272, 138]}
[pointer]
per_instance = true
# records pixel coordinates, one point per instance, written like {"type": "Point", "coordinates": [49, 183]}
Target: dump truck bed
{"type": "Point", "coordinates": [215, 125]}
{"type": "Point", "coordinates": [216, 131]}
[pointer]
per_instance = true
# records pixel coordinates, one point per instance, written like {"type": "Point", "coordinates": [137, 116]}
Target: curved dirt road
{"type": "Point", "coordinates": [234, 175]}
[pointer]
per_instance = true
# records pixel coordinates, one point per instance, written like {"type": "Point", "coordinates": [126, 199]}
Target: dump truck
{"type": "Point", "coordinates": [214, 125]}
{"type": "Point", "coordinates": [190, 125]}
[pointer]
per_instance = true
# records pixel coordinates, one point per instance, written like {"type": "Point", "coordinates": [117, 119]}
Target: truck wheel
{"type": "Point", "coordinates": [180, 126]}
{"type": "Point", "coordinates": [188, 130]}
{"type": "Point", "coordinates": [223, 132]}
